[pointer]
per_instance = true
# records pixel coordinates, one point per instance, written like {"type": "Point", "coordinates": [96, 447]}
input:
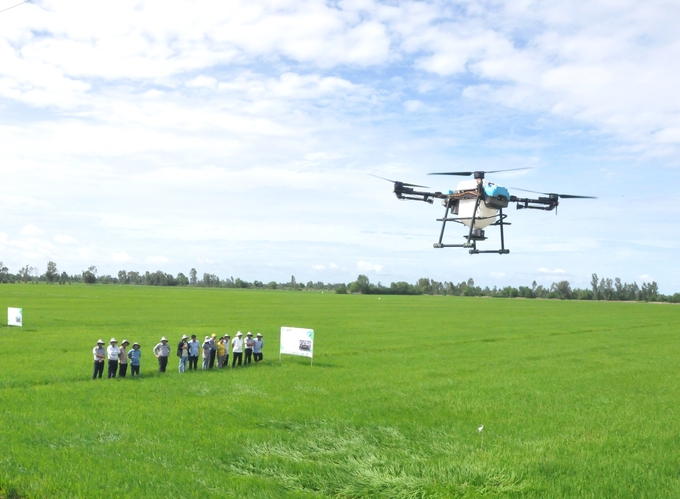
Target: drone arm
{"type": "Point", "coordinates": [410, 194]}
{"type": "Point", "coordinates": [546, 204]}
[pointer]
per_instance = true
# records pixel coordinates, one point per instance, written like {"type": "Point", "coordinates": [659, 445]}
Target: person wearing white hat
{"type": "Point", "coordinates": [113, 353]}
{"type": "Point", "coordinates": [123, 359]}
{"type": "Point", "coordinates": [135, 359]}
{"type": "Point", "coordinates": [237, 349]}
{"type": "Point", "coordinates": [249, 344]}
{"type": "Point", "coordinates": [222, 349]}
{"type": "Point", "coordinates": [257, 348]}
{"type": "Point", "coordinates": [183, 353]}
{"type": "Point", "coordinates": [162, 352]}
{"type": "Point", "coordinates": [99, 353]}
{"type": "Point", "coordinates": [206, 353]}
{"type": "Point", "coordinates": [213, 350]}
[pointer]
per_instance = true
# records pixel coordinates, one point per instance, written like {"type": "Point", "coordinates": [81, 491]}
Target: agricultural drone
{"type": "Point", "coordinates": [478, 204]}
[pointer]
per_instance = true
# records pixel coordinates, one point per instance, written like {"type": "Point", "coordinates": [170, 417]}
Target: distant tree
{"type": "Point", "coordinates": [192, 277]}
{"type": "Point", "coordinates": [52, 274]}
{"type": "Point", "coordinates": [122, 277]}
{"type": "Point", "coordinates": [272, 285]}
{"type": "Point", "coordinates": [63, 278]}
{"type": "Point", "coordinates": [341, 289]}
{"type": "Point", "coordinates": [595, 286]}
{"type": "Point", "coordinates": [363, 284]}
{"type": "Point", "coordinates": [562, 290]}
{"type": "Point", "coordinates": [25, 273]}
{"type": "Point", "coordinates": [4, 273]}
{"type": "Point", "coordinates": [90, 275]}
{"type": "Point", "coordinates": [293, 282]}
{"type": "Point", "coordinates": [424, 285]}
{"type": "Point", "coordinates": [182, 280]}
{"type": "Point", "coordinates": [618, 289]}
{"type": "Point", "coordinates": [240, 283]}
{"type": "Point", "coordinates": [649, 292]}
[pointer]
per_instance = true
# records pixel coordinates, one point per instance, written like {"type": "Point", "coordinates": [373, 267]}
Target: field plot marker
{"type": "Point", "coordinates": [15, 317]}
{"type": "Point", "coordinates": [480, 430]}
{"type": "Point", "coordinates": [297, 341]}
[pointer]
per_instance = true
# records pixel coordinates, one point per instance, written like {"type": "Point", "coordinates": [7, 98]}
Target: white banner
{"type": "Point", "coordinates": [297, 341]}
{"type": "Point", "coordinates": [14, 316]}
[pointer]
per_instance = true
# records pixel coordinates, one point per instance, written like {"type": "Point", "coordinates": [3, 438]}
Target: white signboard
{"type": "Point", "coordinates": [297, 341]}
{"type": "Point", "coordinates": [14, 317]}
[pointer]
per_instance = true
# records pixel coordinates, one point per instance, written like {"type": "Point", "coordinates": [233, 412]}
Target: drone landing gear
{"type": "Point", "coordinates": [475, 234]}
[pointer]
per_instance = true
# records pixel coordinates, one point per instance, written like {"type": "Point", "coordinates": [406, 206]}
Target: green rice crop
{"type": "Point", "coordinates": [577, 399]}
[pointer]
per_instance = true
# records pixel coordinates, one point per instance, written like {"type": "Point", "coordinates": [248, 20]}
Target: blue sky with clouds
{"type": "Point", "coordinates": [235, 137]}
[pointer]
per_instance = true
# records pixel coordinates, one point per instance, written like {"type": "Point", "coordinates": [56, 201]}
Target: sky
{"type": "Point", "coordinates": [238, 137]}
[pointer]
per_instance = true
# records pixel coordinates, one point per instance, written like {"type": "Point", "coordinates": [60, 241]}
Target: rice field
{"type": "Point", "coordinates": [576, 399]}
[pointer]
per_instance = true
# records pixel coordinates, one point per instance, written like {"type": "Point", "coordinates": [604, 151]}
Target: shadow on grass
{"type": "Point", "coordinates": [10, 493]}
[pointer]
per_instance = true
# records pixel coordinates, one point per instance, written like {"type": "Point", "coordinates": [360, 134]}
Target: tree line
{"type": "Point", "coordinates": [600, 288]}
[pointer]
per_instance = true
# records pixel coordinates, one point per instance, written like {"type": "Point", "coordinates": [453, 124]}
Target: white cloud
{"type": "Point", "coordinates": [157, 260]}
{"type": "Point", "coordinates": [202, 82]}
{"type": "Point", "coordinates": [543, 270]}
{"type": "Point", "coordinates": [32, 230]}
{"type": "Point", "coordinates": [369, 267]}
{"type": "Point", "coordinates": [120, 257]}
{"type": "Point", "coordinates": [319, 267]}
{"type": "Point", "coordinates": [61, 238]}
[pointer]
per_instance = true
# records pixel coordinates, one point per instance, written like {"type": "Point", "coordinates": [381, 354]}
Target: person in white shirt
{"type": "Point", "coordinates": [237, 349]}
{"type": "Point", "coordinates": [113, 353]}
{"type": "Point", "coordinates": [257, 348]}
{"type": "Point", "coordinates": [249, 344]}
{"type": "Point", "coordinates": [99, 354]}
{"type": "Point", "coordinates": [162, 352]}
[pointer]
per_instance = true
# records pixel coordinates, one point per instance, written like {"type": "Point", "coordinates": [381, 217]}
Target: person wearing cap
{"type": "Point", "coordinates": [123, 359]}
{"type": "Point", "coordinates": [135, 356]}
{"type": "Point", "coordinates": [162, 352]}
{"type": "Point", "coordinates": [206, 353]}
{"type": "Point", "coordinates": [221, 352]}
{"type": "Point", "coordinates": [194, 347]}
{"type": "Point", "coordinates": [183, 353]}
{"type": "Point", "coordinates": [113, 353]}
{"type": "Point", "coordinates": [213, 350]}
{"type": "Point", "coordinates": [250, 342]}
{"type": "Point", "coordinates": [237, 349]}
{"type": "Point", "coordinates": [257, 348]}
{"type": "Point", "coordinates": [99, 353]}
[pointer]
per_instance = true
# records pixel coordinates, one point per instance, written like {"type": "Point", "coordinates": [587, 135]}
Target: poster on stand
{"type": "Point", "coordinates": [297, 341]}
{"type": "Point", "coordinates": [15, 317]}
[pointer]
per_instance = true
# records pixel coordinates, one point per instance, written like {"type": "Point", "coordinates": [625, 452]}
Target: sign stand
{"type": "Point", "coordinates": [297, 341]}
{"type": "Point", "coordinates": [15, 317]}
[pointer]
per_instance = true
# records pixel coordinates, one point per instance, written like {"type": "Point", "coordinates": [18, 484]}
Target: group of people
{"type": "Point", "coordinates": [188, 350]}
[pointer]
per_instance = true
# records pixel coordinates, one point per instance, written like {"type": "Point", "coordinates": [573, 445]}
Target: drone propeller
{"type": "Point", "coordinates": [552, 194]}
{"type": "Point", "coordinates": [466, 174]}
{"type": "Point", "coordinates": [398, 182]}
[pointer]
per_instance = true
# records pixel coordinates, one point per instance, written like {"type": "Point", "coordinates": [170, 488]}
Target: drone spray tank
{"type": "Point", "coordinates": [494, 198]}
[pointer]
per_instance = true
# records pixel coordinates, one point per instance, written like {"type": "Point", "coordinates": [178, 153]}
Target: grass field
{"type": "Point", "coordinates": [577, 399]}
